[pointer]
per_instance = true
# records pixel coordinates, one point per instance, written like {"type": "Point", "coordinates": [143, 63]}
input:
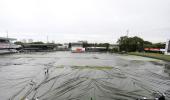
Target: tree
{"type": "Point", "coordinates": [148, 44]}
{"type": "Point", "coordinates": [130, 44]}
{"type": "Point", "coordinates": [18, 43]}
{"type": "Point", "coordinates": [107, 46]}
{"type": "Point", "coordinates": [123, 43]}
{"type": "Point", "coordinates": [160, 45]}
{"type": "Point", "coordinates": [39, 42]}
{"type": "Point", "coordinates": [69, 45]}
{"type": "Point", "coordinates": [85, 44]}
{"type": "Point", "coordinates": [138, 43]}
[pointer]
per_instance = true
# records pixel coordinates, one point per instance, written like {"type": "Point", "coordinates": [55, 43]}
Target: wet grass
{"type": "Point", "coordinates": [152, 55]}
{"type": "Point", "coordinates": [93, 67]}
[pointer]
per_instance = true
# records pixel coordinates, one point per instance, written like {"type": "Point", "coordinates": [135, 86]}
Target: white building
{"type": "Point", "coordinates": [30, 40]}
{"type": "Point", "coordinates": [6, 45]}
{"type": "Point", "coordinates": [167, 48]}
{"type": "Point", "coordinates": [77, 47]}
{"type": "Point", "coordinates": [24, 41]}
{"type": "Point", "coordinates": [63, 46]}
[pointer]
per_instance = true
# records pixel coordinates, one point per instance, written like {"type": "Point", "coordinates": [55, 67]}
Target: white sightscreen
{"type": "Point", "coordinates": [168, 49]}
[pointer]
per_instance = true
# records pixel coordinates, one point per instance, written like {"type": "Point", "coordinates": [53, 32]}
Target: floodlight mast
{"type": "Point", "coordinates": [127, 32]}
{"type": "Point", "coordinates": [7, 33]}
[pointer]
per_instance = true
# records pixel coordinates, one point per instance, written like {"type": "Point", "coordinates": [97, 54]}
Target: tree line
{"type": "Point", "coordinates": [132, 44]}
{"type": "Point", "coordinates": [125, 43]}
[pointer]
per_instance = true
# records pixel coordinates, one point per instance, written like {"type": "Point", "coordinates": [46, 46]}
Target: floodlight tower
{"type": "Point", "coordinates": [47, 38]}
{"type": "Point", "coordinates": [7, 33]}
{"type": "Point", "coordinates": [127, 33]}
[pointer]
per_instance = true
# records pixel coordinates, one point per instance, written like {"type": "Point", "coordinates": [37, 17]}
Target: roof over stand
{"type": "Point", "coordinates": [4, 38]}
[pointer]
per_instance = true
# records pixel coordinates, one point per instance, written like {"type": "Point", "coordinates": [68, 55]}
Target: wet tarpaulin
{"type": "Point", "coordinates": [93, 76]}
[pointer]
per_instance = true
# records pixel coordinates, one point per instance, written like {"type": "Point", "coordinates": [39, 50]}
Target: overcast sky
{"type": "Point", "coordinates": [92, 20]}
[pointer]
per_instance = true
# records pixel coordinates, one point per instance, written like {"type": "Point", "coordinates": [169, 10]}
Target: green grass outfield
{"type": "Point", "coordinates": [152, 55]}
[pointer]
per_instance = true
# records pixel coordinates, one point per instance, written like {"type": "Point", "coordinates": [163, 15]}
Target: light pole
{"type": "Point", "coordinates": [7, 33]}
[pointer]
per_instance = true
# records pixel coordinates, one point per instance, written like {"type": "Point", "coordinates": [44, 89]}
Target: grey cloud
{"type": "Point", "coordinates": [93, 20]}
